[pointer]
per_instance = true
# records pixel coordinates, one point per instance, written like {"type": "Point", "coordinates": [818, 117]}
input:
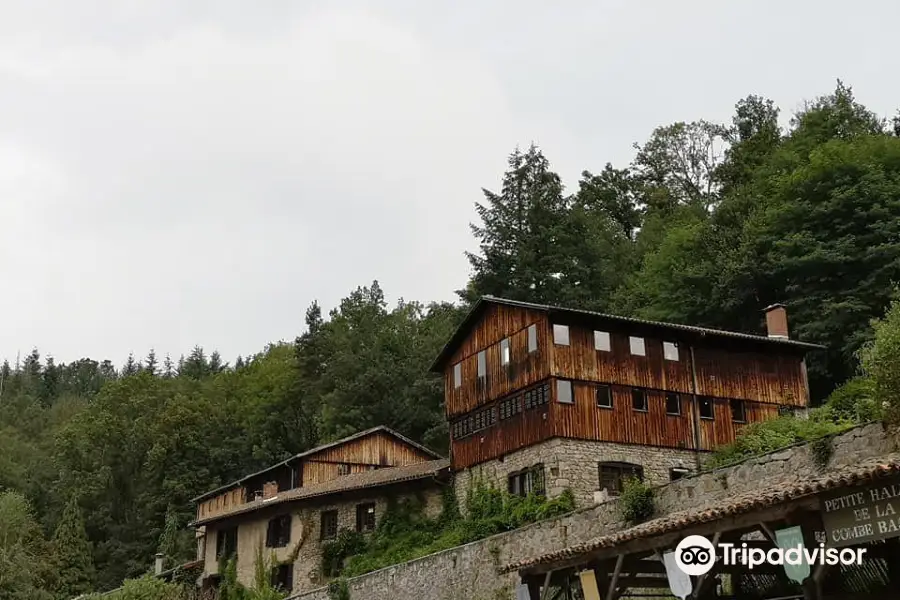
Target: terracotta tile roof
{"type": "Point", "coordinates": [475, 312]}
{"type": "Point", "coordinates": [735, 505]}
{"type": "Point", "coordinates": [317, 449]}
{"type": "Point", "coordinates": [355, 481]}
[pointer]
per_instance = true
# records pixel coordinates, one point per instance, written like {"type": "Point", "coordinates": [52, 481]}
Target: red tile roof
{"type": "Point", "coordinates": [736, 505]}
{"type": "Point", "coordinates": [355, 481]}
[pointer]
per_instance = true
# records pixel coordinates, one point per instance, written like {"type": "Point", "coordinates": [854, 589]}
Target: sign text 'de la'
{"type": "Point", "coordinates": [863, 514]}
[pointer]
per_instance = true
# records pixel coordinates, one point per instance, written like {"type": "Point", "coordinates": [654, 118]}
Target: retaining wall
{"type": "Point", "coordinates": [469, 572]}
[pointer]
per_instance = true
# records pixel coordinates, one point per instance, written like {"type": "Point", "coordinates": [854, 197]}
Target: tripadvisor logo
{"type": "Point", "coordinates": [696, 555]}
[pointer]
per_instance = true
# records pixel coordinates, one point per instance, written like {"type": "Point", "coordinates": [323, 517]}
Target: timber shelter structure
{"type": "Point", "coordinates": [856, 507]}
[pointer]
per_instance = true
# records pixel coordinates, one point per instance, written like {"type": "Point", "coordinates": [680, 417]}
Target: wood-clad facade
{"type": "Point", "coordinates": [374, 449]}
{"type": "Point", "coordinates": [517, 374]}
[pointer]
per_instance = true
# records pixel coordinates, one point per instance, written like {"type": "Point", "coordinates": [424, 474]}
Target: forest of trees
{"type": "Point", "coordinates": [710, 223]}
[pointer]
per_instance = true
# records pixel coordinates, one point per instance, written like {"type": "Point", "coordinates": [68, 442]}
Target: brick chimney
{"type": "Point", "coordinates": [776, 321]}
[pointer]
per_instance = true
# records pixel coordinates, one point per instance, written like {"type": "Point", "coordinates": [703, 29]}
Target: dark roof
{"type": "Point", "coordinates": [188, 565]}
{"type": "Point", "coordinates": [739, 504]}
{"type": "Point", "coordinates": [356, 481]}
{"type": "Point", "coordinates": [317, 449]}
{"type": "Point", "coordinates": [481, 305]}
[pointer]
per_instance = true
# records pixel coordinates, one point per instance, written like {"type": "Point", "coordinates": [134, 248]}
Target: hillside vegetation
{"type": "Point", "coordinates": [710, 223]}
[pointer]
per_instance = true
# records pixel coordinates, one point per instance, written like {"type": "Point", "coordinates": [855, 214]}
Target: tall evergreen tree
{"type": "Point", "coordinates": [523, 238]}
{"type": "Point", "coordinates": [72, 554]}
{"type": "Point", "coordinates": [168, 367]}
{"type": "Point", "coordinates": [152, 364]}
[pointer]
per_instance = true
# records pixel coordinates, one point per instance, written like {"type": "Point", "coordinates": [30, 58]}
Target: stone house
{"type": "Point", "coordinates": [289, 510]}
{"type": "Point", "coordinates": [542, 398]}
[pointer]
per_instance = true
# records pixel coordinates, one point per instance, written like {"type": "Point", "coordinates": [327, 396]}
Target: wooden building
{"type": "Point", "coordinates": [518, 375]}
{"type": "Point", "coordinates": [291, 508]}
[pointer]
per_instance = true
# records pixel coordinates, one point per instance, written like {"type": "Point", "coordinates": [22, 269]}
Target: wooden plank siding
{"type": "Point", "coordinates": [621, 423]}
{"type": "Point", "coordinates": [579, 360]}
{"type": "Point", "coordinates": [528, 427]}
{"type": "Point", "coordinates": [497, 324]}
{"type": "Point", "coordinates": [584, 420]}
{"type": "Point", "coordinates": [774, 378]}
{"type": "Point", "coordinates": [722, 429]}
{"type": "Point", "coordinates": [722, 372]}
{"type": "Point", "coordinates": [376, 450]}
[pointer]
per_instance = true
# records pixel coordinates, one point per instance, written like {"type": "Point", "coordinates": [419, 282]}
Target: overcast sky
{"type": "Point", "coordinates": [198, 171]}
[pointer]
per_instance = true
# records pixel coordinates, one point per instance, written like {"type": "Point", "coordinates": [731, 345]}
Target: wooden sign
{"type": "Point", "coordinates": [863, 514]}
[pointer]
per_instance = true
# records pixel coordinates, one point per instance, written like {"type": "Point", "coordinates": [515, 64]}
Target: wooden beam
{"type": "Point", "coordinates": [545, 589]}
{"type": "Point", "coordinates": [615, 576]}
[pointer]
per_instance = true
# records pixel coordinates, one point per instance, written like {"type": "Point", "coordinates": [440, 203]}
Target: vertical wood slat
{"type": "Point", "coordinates": [497, 324]}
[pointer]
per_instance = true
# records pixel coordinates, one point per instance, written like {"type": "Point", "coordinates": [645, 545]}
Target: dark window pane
{"type": "Point", "coordinates": [604, 396]}
{"type": "Point", "coordinates": [639, 400]}
{"type": "Point", "coordinates": [673, 404]}
{"type": "Point", "coordinates": [706, 408]}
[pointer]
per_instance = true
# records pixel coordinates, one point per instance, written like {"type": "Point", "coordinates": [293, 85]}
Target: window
{"type": "Point", "coordinates": [532, 338]}
{"type": "Point", "coordinates": [510, 407]}
{"type": "Point", "coordinates": [504, 352]}
{"type": "Point", "coordinates": [604, 396]}
{"type": "Point", "coordinates": [639, 400]}
{"type": "Point", "coordinates": [457, 375]}
{"type": "Point", "coordinates": [343, 469]}
{"type": "Point", "coordinates": [528, 481]}
{"type": "Point", "coordinates": [673, 404]}
{"type": "Point", "coordinates": [670, 351]}
{"type": "Point", "coordinates": [365, 517]}
{"type": "Point", "coordinates": [564, 391]}
{"type": "Point", "coordinates": [738, 414]}
{"type": "Point", "coordinates": [226, 543]}
{"type": "Point", "coordinates": [282, 577]}
{"type": "Point", "coordinates": [677, 473]}
{"type": "Point", "coordinates": [483, 419]}
{"type": "Point", "coordinates": [602, 341]}
{"type": "Point", "coordinates": [613, 476]}
{"type": "Point", "coordinates": [537, 396]}
{"type": "Point", "coordinates": [706, 408]}
{"type": "Point", "coordinates": [329, 525]}
{"type": "Point", "coordinates": [561, 335]}
{"type": "Point", "coordinates": [482, 363]}
{"type": "Point", "coordinates": [637, 346]}
{"type": "Point", "coordinates": [278, 534]}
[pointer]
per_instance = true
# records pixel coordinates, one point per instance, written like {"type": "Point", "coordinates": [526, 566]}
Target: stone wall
{"type": "Point", "coordinates": [573, 464]}
{"type": "Point", "coordinates": [305, 545]}
{"type": "Point", "coordinates": [469, 572]}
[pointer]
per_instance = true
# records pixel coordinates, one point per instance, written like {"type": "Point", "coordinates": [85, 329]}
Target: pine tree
{"type": "Point", "coordinates": [72, 554]}
{"type": "Point", "coordinates": [168, 367]}
{"type": "Point", "coordinates": [215, 362]}
{"type": "Point", "coordinates": [524, 238]}
{"type": "Point", "coordinates": [151, 362]}
{"type": "Point", "coordinates": [131, 366]}
{"type": "Point", "coordinates": [239, 363]}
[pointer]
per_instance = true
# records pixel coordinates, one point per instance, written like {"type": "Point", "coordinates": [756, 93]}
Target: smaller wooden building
{"type": "Point", "coordinates": [291, 508]}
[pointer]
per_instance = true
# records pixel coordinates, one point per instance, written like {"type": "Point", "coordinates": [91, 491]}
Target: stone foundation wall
{"type": "Point", "coordinates": [574, 464]}
{"type": "Point", "coordinates": [469, 572]}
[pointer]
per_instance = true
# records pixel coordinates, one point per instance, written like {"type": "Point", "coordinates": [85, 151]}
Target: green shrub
{"type": "Point", "coordinates": [855, 401]}
{"type": "Point", "coordinates": [637, 501]}
{"type": "Point", "coordinates": [880, 360]}
{"type": "Point", "coordinates": [767, 436]}
{"type": "Point", "coordinates": [334, 553]}
{"type": "Point", "coordinates": [405, 533]}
